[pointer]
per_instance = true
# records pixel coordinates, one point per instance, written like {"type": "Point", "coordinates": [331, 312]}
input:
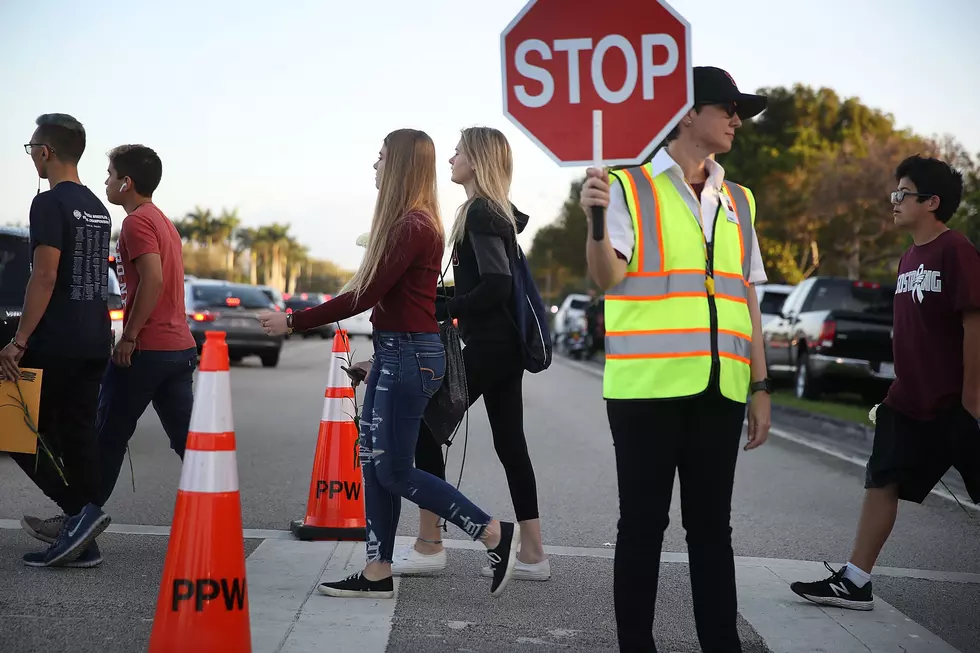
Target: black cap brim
{"type": "Point", "coordinates": [749, 106]}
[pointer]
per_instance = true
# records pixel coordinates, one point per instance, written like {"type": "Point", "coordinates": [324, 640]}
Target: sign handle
{"type": "Point", "coordinates": [598, 213]}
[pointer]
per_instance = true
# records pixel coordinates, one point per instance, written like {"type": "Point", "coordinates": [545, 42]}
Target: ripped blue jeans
{"type": "Point", "coordinates": [408, 369]}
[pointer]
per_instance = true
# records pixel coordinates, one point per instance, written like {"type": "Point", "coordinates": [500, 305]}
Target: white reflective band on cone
{"type": "Point", "coordinates": [209, 471]}
{"type": "Point", "coordinates": [212, 403]}
{"type": "Point", "coordinates": [338, 409]}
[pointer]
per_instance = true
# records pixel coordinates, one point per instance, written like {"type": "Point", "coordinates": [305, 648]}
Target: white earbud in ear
{"type": "Point", "coordinates": [123, 187]}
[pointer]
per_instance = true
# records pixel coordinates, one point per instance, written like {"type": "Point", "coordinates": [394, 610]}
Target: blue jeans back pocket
{"type": "Point", "coordinates": [432, 370]}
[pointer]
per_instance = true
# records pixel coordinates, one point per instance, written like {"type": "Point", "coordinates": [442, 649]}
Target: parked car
{"type": "Point", "coordinates": [115, 305]}
{"type": "Point", "coordinates": [233, 308]}
{"type": "Point", "coordinates": [276, 296]}
{"type": "Point", "coordinates": [303, 302]}
{"type": "Point", "coordinates": [359, 325]}
{"type": "Point", "coordinates": [572, 308]}
{"type": "Point", "coordinates": [15, 272]}
{"type": "Point", "coordinates": [835, 333]}
{"type": "Point", "coordinates": [771, 298]}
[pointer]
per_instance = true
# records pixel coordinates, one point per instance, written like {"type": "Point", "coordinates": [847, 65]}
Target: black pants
{"type": "Point", "coordinates": [163, 378]}
{"type": "Point", "coordinates": [496, 373]}
{"type": "Point", "coordinates": [699, 437]}
{"type": "Point", "coordinates": [66, 421]}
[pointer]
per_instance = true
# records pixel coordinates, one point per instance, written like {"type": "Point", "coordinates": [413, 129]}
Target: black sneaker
{"type": "Point", "coordinates": [503, 557]}
{"type": "Point", "coordinates": [836, 591]}
{"type": "Point", "coordinates": [91, 557]}
{"type": "Point", "coordinates": [356, 586]}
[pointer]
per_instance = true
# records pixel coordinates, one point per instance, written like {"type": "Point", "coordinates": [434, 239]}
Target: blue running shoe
{"type": "Point", "coordinates": [76, 534]}
{"type": "Point", "coordinates": [90, 557]}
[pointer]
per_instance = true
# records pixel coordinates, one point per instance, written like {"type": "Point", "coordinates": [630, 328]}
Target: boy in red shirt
{"type": "Point", "coordinates": [155, 358]}
{"type": "Point", "coordinates": [930, 419]}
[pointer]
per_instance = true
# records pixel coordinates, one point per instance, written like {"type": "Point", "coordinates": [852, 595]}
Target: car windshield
{"type": "Point", "coordinates": [854, 296]}
{"type": "Point", "coordinates": [772, 302]}
{"type": "Point", "coordinates": [219, 295]}
{"type": "Point", "coordinates": [15, 270]}
{"type": "Point", "coordinates": [579, 304]}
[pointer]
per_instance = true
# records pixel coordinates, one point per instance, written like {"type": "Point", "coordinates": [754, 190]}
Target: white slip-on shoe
{"type": "Point", "coordinates": [409, 562]}
{"type": "Point", "coordinates": [525, 571]}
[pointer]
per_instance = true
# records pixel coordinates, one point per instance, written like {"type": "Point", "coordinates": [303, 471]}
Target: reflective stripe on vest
{"type": "Point", "coordinates": [658, 328]}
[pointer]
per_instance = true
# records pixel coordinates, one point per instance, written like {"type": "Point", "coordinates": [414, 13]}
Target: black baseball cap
{"type": "Point", "coordinates": [715, 86]}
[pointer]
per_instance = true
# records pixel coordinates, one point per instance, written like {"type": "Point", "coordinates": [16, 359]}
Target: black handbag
{"type": "Point", "coordinates": [449, 404]}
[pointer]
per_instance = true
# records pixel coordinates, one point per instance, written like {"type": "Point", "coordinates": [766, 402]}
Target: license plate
{"type": "Point", "coordinates": [887, 369]}
{"type": "Point", "coordinates": [239, 323]}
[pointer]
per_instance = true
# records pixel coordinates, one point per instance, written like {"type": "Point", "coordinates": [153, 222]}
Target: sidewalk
{"type": "Point", "coordinates": [453, 611]}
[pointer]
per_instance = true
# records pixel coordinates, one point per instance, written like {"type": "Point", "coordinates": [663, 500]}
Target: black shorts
{"type": "Point", "coordinates": [917, 454]}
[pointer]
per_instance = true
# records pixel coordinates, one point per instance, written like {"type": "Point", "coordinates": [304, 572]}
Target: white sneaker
{"type": "Point", "coordinates": [525, 571]}
{"type": "Point", "coordinates": [409, 562]}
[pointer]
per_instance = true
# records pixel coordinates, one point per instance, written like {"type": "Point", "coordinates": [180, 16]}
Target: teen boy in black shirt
{"type": "Point", "coordinates": [65, 331]}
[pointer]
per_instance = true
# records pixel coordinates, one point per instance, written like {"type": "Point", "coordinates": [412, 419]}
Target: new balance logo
{"type": "Point", "coordinates": [839, 589]}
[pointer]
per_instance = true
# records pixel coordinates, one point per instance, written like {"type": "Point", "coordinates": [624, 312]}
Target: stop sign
{"type": "Point", "coordinates": [565, 60]}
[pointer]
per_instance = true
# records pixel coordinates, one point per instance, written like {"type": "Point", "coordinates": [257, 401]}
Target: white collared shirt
{"type": "Point", "coordinates": [619, 224]}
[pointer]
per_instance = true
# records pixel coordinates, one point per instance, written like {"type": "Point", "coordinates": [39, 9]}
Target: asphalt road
{"type": "Point", "coordinates": [793, 508]}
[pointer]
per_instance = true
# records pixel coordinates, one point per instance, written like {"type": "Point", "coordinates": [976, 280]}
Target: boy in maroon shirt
{"type": "Point", "coordinates": [155, 358]}
{"type": "Point", "coordinates": [930, 419]}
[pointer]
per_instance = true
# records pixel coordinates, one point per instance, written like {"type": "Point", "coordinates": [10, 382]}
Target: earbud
{"type": "Point", "coordinates": [123, 187]}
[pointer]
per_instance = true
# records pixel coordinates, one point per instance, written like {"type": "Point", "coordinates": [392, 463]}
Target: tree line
{"type": "Point", "coordinates": [821, 168]}
{"type": "Point", "coordinates": [216, 246]}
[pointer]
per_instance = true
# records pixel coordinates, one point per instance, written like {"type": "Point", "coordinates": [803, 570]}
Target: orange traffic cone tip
{"type": "Point", "coordinates": [335, 507]}
{"type": "Point", "coordinates": [202, 604]}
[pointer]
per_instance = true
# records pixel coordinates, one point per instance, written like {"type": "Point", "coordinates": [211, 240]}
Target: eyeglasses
{"type": "Point", "coordinates": [28, 147]}
{"type": "Point", "coordinates": [898, 196]}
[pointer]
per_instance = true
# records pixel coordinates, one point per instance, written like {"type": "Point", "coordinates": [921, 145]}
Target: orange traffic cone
{"type": "Point", "coordinates": [203, 604]}
{"type": "Point", "coordinates": [335, 507]}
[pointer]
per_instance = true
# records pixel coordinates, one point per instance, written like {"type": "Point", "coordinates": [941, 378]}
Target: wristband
{"type": "Point", "coordinates": [127, 338]}
{"type": "Point", "coordinates": [16, 344]}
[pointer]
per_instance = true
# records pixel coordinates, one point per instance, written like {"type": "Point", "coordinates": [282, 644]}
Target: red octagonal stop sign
{"type": "Point", "coordinates": [565, 59]}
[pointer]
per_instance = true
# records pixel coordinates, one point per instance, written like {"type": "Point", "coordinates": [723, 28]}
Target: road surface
{"type": "Point", "coordinates": [794, 507]}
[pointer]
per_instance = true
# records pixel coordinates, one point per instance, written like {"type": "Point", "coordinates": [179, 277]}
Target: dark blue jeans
{"type": "Point", "coordinates": [408, 369]}
{"type": "Point", "coordinates": [165, 378]}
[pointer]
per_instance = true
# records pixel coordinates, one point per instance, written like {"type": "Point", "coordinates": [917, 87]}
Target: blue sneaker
{"type": "Point", "coordinates": [76, 534]}
{"type": "Point", "coordinates": [90, 557]}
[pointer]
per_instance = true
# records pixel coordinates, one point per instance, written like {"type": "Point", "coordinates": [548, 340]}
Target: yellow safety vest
{"type": "Point", "coordinates": [669, 319]}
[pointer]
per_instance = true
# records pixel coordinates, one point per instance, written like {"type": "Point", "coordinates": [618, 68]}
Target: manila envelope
{"type": "Point", "coordinates": [15, 435]}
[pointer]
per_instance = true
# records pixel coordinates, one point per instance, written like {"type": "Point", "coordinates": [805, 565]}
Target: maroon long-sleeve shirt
{"type": "Point", "coordinates": [403, 292]}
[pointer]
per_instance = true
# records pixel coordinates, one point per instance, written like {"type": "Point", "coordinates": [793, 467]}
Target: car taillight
{"type": "Point", "coordinates": [827, 333]}
{"type": "Point", "coordinates": [288, 311]}
{"type": "Point", "coordinates": [233, 301]}
{"type": "Point", "coordinates": [115, 315]}
{"type": "Point", "coordinates": [204, 316]}
{"type": "Point", "coordinates": [867, 284]}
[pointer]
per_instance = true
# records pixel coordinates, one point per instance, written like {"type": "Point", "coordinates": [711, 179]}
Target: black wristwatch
{"type": "Point", "coordinates": [289, 323]}
{"type": "Point", "coordinates": [765, 385]}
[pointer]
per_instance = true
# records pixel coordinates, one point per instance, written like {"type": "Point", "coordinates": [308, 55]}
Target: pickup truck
{"type": "Point", "coordinates": [834, 333]}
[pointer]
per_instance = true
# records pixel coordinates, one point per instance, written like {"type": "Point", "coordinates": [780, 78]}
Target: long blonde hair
{"type": "Point", "coordinates": [488, 151]}
{"type": "Point", "coordinates": [408, 183]}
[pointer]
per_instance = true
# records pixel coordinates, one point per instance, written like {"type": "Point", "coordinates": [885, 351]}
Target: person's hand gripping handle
{"type": "Point", "coordinates": [595, 199]}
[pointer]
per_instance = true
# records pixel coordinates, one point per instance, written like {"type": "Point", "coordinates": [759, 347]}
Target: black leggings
{"type": "Point", "coordinates": [495, 373]}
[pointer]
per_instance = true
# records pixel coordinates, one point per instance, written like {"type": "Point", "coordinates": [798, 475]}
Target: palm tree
{"type": "Point", "coordinates": [275, 238]}
{"type": "Point", "coordinates": [297, 255]}
{"type": "Point", "coordinates": [225, 227]}
{"type": "Point", "coordinates": [201, 226]}
{"type": "Point", "coordinates": [247, 240]}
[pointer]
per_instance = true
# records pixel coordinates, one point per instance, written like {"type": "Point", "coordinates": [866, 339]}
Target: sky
{"type": "Point", "coordinates": [279, 109]}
